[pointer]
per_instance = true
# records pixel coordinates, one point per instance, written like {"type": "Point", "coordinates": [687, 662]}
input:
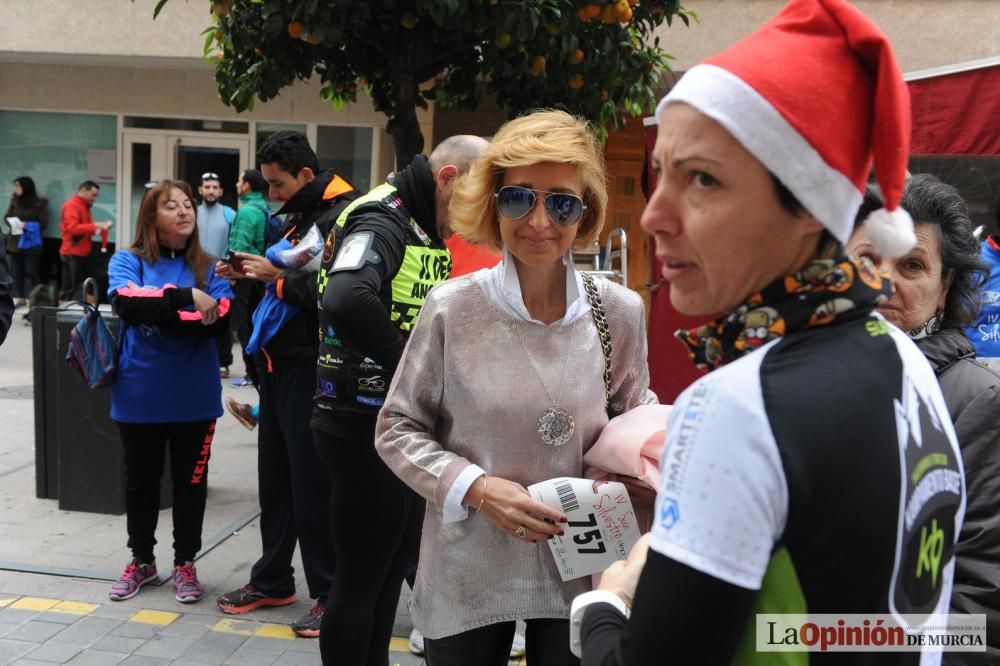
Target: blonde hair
{"type": "Point", "coordinates": [541, 136]}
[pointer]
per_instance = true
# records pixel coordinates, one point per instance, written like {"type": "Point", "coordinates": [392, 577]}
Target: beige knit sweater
{"type": "Point", "coordinates": [466, 393]}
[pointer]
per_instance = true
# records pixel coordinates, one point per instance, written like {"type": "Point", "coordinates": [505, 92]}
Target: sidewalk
{"type": "Point", "coordinates": [56, 566]}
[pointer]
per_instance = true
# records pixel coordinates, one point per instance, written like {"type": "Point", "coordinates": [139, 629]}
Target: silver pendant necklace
{"type": "Point", "coordinates": [555, 425]}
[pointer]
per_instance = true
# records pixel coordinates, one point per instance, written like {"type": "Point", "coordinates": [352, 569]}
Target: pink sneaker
{"type": "Point", "coordinates": [189, 589]}
{"type": "Point", "coordinates": [134, 577]}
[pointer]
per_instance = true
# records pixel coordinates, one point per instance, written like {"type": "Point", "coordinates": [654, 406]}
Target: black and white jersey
{"type": "Point", "coordinates": [821, 470]}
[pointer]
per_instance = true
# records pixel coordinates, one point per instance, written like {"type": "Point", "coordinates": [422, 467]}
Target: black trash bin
{"type": "Point", "coordinates": [79, 458]}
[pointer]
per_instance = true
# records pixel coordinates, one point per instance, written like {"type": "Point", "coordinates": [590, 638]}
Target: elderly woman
{"type": "Point", "coordinates": [935, 293]}
{"type": "Point", "coordinates": [790, 483]}
{"type": "Point", "coordinates": [501, 386]}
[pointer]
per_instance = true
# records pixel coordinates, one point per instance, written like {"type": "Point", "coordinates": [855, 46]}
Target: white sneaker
{"type": "Point", "coordinates": [417, 643]}
{"type": "Point", "coordinates": [517, 647]}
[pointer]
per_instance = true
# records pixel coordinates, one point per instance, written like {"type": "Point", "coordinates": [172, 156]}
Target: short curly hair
{"type": "Point", "coordinates": [540, 136]}
{"type": "Point", "coordinates": [930, 201]}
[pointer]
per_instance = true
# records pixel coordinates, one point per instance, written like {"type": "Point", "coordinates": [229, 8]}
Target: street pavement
{"type": "Point", "coordinates": [56, 566]}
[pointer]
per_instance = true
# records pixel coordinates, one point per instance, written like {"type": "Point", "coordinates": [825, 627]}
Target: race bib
{"type": "Point", "coordinates": [601, 529]}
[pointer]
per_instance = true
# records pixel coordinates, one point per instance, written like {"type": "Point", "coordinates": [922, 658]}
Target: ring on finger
{"type": "Point", "coordinates": [521, 531]}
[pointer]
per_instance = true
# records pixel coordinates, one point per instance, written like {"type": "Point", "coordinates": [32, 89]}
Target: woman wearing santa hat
{"type": "Point", "coordinates": [815, 469]}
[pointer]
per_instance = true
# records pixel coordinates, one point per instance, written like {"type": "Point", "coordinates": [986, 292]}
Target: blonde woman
{"type": "Point", "coordinates": [502, 386]}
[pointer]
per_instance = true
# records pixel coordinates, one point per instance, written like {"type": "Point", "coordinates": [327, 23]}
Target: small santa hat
{"type": "Point", "coordinates": [815, 94]}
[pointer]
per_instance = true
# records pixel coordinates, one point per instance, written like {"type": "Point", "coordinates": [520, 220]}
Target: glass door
{"type": "Point", "coordinates": [151, 155]}
{"type": "Point", "coordinates": [144, 160]}
{"type": "Point", "coordinates": [194, 156]}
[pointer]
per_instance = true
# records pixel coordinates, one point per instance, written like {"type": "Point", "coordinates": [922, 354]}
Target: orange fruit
{"type": "Point", "coordinates": [576, 81]}
{"type": "Point", "coordinates": [575, 57]}
{"type": "Point", "coordinates": [627, 16]}
{"type": "Point", "coordinates": [295, 29]}
{"type": "Point", "coordinates": [553, 28]}
{"type": "Point", "coordinates": [311, 38]}
{"type": "Point", "coordinates": [409, 21]}
{"type": "Point", "coordinates": [503, 40]}
{"type": "Point", "coordinates": [604, 95]}
{"type": "Point", "coordinates": [608, 15]}
{"type": "Point", "coordinates": [537, 65]}
{"type": "Point", "coordinates": [582, 14]}
{"type": "Point", "coordinates": [619, 8]}
{"type": "Point", "coordinates": [593, 11]}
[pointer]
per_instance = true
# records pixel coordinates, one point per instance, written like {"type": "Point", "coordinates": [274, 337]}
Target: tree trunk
{"type": "Point", "coordinates": [407, 139]}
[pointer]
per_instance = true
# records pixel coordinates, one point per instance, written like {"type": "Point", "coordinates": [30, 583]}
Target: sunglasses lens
{"type": "Point", "coordinates": [564, 209]}
{"type": "Point", "coordinates": [515, 202]}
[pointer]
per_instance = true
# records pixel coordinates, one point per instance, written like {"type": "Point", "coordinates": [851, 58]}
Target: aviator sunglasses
{"type": "Point", "coordinates": [514, 202]}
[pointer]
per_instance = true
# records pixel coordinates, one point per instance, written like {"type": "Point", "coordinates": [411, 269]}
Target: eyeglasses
{"type": "Point", "coordinates": [210, 175]}
{"type": "Point", "coordinates": [514, 202]}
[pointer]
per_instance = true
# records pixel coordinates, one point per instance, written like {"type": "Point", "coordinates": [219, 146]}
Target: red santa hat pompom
{"type": "Point", "coordinates": [816, 94]}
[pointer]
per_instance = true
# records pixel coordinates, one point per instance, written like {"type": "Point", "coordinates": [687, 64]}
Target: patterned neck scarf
{"type": "Point", "coordinates": [928, 328]}
{"type": "Point", "coordinates": [824, 291]}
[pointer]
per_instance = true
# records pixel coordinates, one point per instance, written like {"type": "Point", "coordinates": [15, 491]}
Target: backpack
{"type": "Point", "coordinates": [93, 352]}
{"type": "Point", "coordinates": [272, 225]}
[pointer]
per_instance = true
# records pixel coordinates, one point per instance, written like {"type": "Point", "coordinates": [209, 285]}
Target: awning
{"type": "Point", "coordinates": [956, 110]}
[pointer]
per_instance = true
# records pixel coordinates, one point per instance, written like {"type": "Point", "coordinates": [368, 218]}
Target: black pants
{"type": "Point", "coordinates": [190, 446]}
{"type": "Point", "coordinates": [25, 267]}
{"type": "Point", "coordinates": [243, 304]}
{"type": "Point", "coordinates": [224, 344]}
{"type": "Point", "coordinates": [547, 641]}
{"type": "Point", "coordinates": [376, 522]}
{"type": "Point", "coordinates": [294, 487]}
{"type": "Point", "coordinates": [74, 271]}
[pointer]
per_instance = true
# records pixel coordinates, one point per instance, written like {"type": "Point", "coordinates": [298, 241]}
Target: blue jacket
{"type": "Point", "coordinates": [168, 370]}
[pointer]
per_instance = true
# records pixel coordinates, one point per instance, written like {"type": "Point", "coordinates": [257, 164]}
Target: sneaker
{"type": "Point", "coordinates": [417, 643]}
{"type": "Point", "coordinates": [307, 626]}
{"type": "Point", "coordinates": [240, 383]}
{"type": "Point", "coordinates": [224, 372]}
{"type": "Point", "coordinates": [243, 413]}
{"type": "Point", "coordinates": [136, 575]}
{"type": "Point", "coordinates": [247, 599]}
{"type": "Point", "coordinates": [517, 647]}
{"type": "Point", "coordinates": [189, 589]}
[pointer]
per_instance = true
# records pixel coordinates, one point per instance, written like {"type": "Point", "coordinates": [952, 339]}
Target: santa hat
{"type": "Point", "coordinates": [815, 94]}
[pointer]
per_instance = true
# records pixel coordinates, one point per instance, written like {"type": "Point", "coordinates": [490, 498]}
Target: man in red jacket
{"type": "Point", "coordinates": [77, 228]}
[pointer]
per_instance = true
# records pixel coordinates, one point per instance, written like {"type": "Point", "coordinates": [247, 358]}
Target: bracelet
{"type": "Point", "coordinates": [483, 498]}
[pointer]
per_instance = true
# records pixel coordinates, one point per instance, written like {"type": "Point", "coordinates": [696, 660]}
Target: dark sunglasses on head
{"type": "Point", "coordinates": [210, 175]}
{"type": "Point", "coordinates": [564, 209]}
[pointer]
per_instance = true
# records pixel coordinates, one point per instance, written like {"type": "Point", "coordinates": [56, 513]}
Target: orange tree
{"type": "Point", "coordinates": [596, 58]}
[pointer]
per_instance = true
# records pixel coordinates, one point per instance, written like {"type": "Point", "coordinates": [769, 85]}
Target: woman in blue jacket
{"type": "Point", "coordinates": [167, 393]}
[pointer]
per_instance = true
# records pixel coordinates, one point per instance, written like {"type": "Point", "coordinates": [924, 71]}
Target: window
{"type": "Point", "coordinates": [348, 151]}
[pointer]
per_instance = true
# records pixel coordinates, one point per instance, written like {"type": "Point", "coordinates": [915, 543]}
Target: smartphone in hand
{"type": "Point", "coordinates": [235, 262]}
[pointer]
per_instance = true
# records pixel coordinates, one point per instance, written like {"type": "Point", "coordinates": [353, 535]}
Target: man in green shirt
{"type": "Point", "coordinates": [248, 234]}
{"type": "Point", "coordinates": [249, 229]}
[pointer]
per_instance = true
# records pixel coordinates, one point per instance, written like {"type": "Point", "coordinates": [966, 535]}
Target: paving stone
{"type": "Point", "coordinates": [96, 658]}
{"type": "Point", "coordinates": [268, 645]}
{"type": "Point", "coordinates": [86, 632]}
{"type": "Point", "coordinates": [184, 629]}
{"type": "Point", "coordinates": [164, 646]}
{"type": "Point", "coordinates": [16, 615]}
{"type": "Point", "coordinates": [291, 658]}
{"type": "Point", "coordinates": [114, 611]}
{"type": "Point", "coordinates": [11, 650]}
{"type": "Point", "coordinates": [35, 631]}
{"type": "Point", "coordinates": [59, 654]}
{"type": "Point", "coordinates": [246, 657]}
{"type": "Point", "coordinates": [307, 645]}
{"type": "Point", "coordinates": [214, 648]}
{"type": "Point", "coordinates": [136, 630]}
{"type": "Point", "coordinates": [30, 662]}
{"type": "Point", "coordinates": [136, 660]}
{"type": "Point", "coordinates": [59, 618]}
{"type": "Point", "coordinates": [118, 644]}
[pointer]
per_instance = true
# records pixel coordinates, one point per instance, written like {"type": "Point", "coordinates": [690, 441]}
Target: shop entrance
{"type": "Point", "coordinates": [150, 155]}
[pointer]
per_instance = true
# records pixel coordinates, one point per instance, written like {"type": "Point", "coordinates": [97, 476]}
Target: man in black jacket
{"type": "Point", "coordinates": [386, 252]}
{"type": "Point", "coordinates": [294, 488]}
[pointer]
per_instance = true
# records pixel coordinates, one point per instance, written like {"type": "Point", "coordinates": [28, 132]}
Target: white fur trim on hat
{"type": "Point", "coordinates": [890, 232]}
{"type": "Point", "coordinates": [826, 193]}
